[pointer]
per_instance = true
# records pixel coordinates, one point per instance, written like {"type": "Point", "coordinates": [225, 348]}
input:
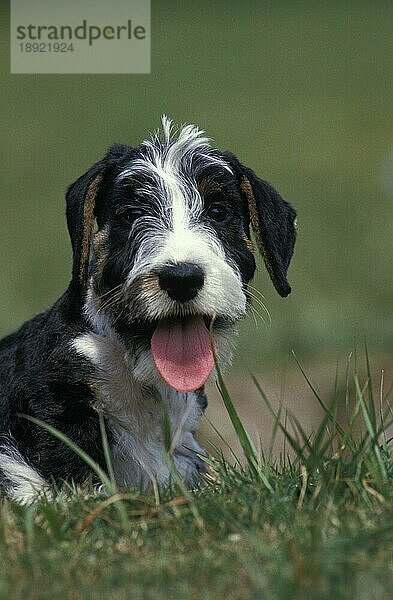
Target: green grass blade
{"type": "Point", "coordinates": [298, 449]}
{"type": "Point", "coordinates": [317, 396]}
{"type": "Point", "coordinates": [95, 467]}
{"type": "Point", "coordinates": [107, 454]}
{"type": "Point", "coordinates": [246, 443]}
{"type": "Point", "coordinates": [371, 404]}
{"type": "Point", "coordinates": [68, 442]}
{"type": "Point", "coordinates": [224, 442]}
{"type": "Point", "coordinates": [371, 429]}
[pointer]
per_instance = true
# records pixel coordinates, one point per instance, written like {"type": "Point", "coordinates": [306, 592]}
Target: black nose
{"type": "Point", "coordinates": [182, 280]}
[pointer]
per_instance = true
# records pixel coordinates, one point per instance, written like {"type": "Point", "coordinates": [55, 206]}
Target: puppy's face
{"type": "Point", "coordinates": [171, 254]}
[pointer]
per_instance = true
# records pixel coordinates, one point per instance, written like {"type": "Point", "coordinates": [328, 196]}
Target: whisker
{"type": "Point", "coordinates": [110, 291]}
{"type": "Point", "coordinates": [110, 301]}
{"type": "Point", "coordinates": [261, 304]}
{"type": "Point", "coordinates": [255, 313]}
{"type": "Point", "coordinates": [256, 291]}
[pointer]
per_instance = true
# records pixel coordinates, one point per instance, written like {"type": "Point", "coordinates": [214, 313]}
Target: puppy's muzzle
{"type": "Point", "coordinates": [181, 281]}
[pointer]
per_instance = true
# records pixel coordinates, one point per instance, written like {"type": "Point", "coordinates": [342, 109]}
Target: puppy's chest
{"type": "Point", "coordinates": [145, 413]}
{"type": "Point", "coordinates": [129, 407]}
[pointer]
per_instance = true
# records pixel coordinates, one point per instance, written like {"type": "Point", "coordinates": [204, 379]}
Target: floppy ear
{"type": "Point", "coordinates": [273, 221]}
{"type": "Point", "coordinates": [81, 197]}
{"type": "Point", "coordinates": [81, 210]}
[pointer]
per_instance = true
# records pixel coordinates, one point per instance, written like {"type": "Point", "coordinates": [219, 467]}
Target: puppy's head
{"type": "Point", "coordinates": [173, 249]}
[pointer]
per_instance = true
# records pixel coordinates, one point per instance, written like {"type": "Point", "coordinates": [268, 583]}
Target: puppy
{"type": "Point", "coordinates": [129, 338]}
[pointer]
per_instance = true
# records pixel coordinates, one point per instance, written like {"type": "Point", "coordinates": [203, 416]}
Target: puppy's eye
{"type": "Point", "coordinates": [217, 212]}
{"type": "Point", "coordinates": [130, 214]}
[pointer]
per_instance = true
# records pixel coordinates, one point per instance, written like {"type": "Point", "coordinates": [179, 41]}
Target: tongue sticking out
{"type": "Point", "coordinates": [182, 353]}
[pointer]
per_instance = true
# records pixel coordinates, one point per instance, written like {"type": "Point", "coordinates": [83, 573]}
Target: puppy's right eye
{"type": "Point", "coordinates": [217, 212]}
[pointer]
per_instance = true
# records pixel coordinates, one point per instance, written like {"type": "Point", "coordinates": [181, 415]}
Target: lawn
{"type": "Point", "coordinates": [316, 522]}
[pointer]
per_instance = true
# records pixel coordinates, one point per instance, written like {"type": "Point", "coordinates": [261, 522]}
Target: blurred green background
{"type": "Point", "coordinates": [300, 91]}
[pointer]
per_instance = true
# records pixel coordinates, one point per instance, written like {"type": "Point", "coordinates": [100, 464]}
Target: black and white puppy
{"type": "Point", "coordinates": [170, 251]}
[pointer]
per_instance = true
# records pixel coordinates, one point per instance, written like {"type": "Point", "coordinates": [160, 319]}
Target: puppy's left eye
{"type": "Point", "coordinates": [217, 212]}
{"type": "Point", "coordinates": [130, 214]}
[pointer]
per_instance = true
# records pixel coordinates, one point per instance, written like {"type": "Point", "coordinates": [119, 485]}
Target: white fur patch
{"type": "Point", "coordinates": [21, 482]}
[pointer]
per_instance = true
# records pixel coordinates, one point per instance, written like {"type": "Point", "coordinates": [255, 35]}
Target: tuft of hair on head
{"type": "Point", "coordinates": [186, 137]}
{"type": "Point", "coordinates": [167, 128]}
{"type": "Point", "coordinates": [171, 146]}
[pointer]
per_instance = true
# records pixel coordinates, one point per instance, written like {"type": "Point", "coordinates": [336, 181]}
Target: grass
{"type": "Point", "coordinates": [316, 523]}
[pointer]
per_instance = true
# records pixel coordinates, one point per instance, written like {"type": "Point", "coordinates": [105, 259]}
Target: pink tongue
{"type": "Point", "coordinates": [182, 353]}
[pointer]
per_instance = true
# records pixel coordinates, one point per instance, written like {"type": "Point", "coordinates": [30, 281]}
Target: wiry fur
{"type": "Point", "coordinates": [157, 206]}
